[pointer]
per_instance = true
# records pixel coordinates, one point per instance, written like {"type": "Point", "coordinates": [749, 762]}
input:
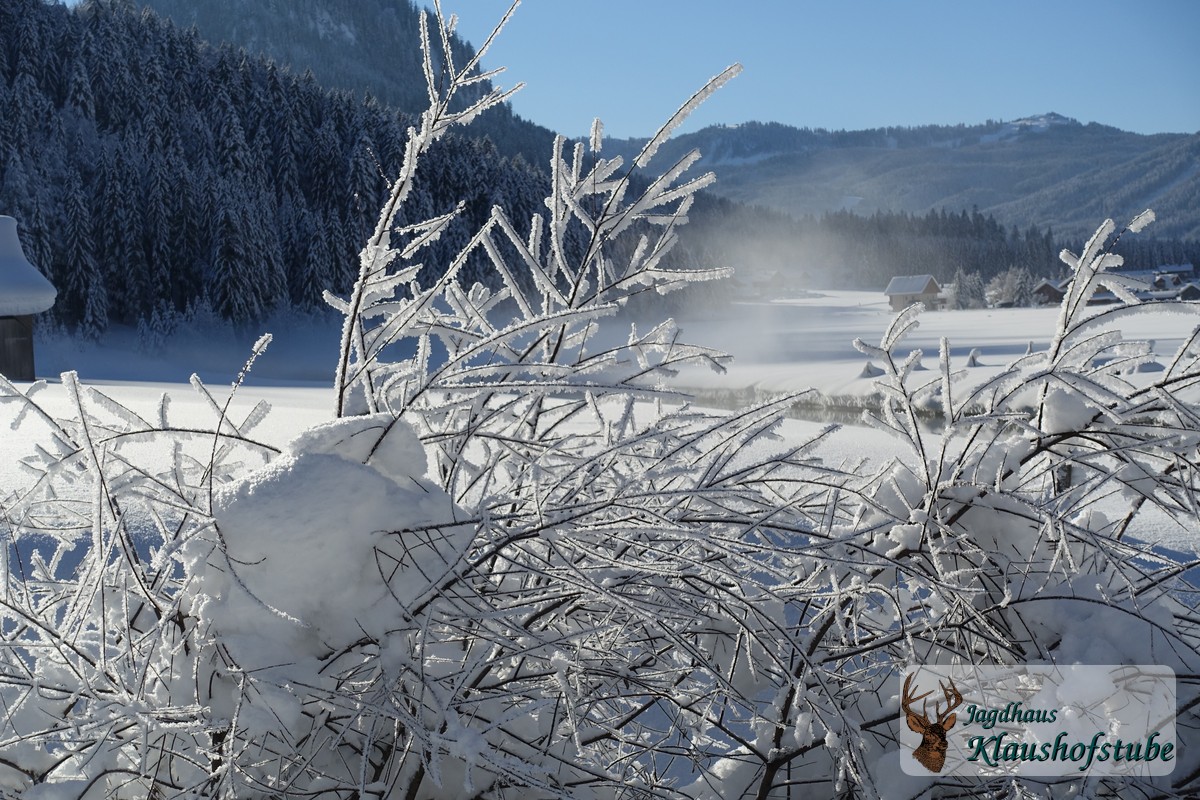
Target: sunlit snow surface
{"type": "Point", "coordinates": [786, 345]}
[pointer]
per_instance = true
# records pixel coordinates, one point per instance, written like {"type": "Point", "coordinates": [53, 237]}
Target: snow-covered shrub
{"type": "Point", "coordinates": [100, 656]}
{"type": "Point", "coordinates": [516, 564]}
{"type": "Point", "coordinates": [1006, 535]}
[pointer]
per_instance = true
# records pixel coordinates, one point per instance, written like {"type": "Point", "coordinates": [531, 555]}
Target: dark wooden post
{"type": "Point", "coordinates": [16, 348]}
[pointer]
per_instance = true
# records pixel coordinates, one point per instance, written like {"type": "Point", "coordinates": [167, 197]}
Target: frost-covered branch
{"type": "Point", "coordinates": [376, 284]}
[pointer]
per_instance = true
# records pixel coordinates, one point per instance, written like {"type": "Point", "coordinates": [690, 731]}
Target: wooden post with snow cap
{"type": "Point", "coordinates": [23, 292]}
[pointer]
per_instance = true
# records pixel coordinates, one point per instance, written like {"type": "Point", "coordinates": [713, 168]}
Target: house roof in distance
{"type": "Point", "coordinates": [910, 284]}
{"type": "Point", "coordinates": [23, 290]}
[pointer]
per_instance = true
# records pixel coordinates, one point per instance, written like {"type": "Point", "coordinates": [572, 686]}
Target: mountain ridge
{"type": "Point", "coordinates": [1041, 169]}
{"type": "Point", "coordinates": [360, 46]}
{"type": "Point", "coordinates": [1045, 169]}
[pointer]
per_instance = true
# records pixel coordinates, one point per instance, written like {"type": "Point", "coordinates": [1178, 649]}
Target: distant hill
{"type": "Point", "coordinates": [1044, 170]}
{"type": "Point", "coordinates": [364, 46]}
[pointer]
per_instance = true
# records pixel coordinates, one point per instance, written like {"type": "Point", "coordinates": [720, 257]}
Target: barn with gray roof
{"type": "Point", "coordinates": [904, 290]}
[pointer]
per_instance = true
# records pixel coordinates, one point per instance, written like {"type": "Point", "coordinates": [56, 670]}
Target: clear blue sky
{"type": "Point", "coordinates": [847, 64]}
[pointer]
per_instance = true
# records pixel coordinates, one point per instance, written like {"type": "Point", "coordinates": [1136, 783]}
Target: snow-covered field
{"type": "Point", "coordinates": [794, 344]}
{"type": "Point", "coordinates": [787, 345]}
{"type": "Point", "coordinates": [784, 346]}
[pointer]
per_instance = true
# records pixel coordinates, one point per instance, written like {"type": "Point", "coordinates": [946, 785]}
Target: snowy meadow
{"type": "Point", "coordinates": [499, 554]}
{"type": "Point", "coordinates": [784, 347]}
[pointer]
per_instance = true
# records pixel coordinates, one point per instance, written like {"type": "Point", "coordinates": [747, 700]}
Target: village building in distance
{"type": "Point", "coordinates": [904, 290]}
{"type": "Point", "coordinates": [1168, 282]}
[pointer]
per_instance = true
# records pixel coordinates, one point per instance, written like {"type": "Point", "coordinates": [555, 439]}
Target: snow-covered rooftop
{"type": "Point", "coordinates": [910, 284]}
{"type": "Point", "coordinates": [23, 290]}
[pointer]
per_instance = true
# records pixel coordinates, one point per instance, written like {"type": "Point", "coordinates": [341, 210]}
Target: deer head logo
{"type": "Point", "coordinates": [931, 753]}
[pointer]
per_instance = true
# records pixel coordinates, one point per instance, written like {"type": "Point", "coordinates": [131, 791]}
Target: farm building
{"type": "Point", "coordinates": [23, 292]}
{"type": "Point", "coordinates": [1190, 292]}
{"type": "Point", "coordinates": [1048, 292]}
{"type": "Point", "coordinates": [904, 290]}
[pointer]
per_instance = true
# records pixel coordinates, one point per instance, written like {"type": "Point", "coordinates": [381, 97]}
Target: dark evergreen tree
{"type": "Point", "coordinates": [82, 288]}
{"type": "Point", "coordinates": [364, 189]}
{"type": "Point", "coordinates": [235, 292]}
{"type": "Point", "coordinates": [118, 223]}
{"type": "Point", "coordinates": [157, 238]}
{"type": "Point", "coordinates": [316, 266]}
{"type": "Point", "coordinates": [79, 88]}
